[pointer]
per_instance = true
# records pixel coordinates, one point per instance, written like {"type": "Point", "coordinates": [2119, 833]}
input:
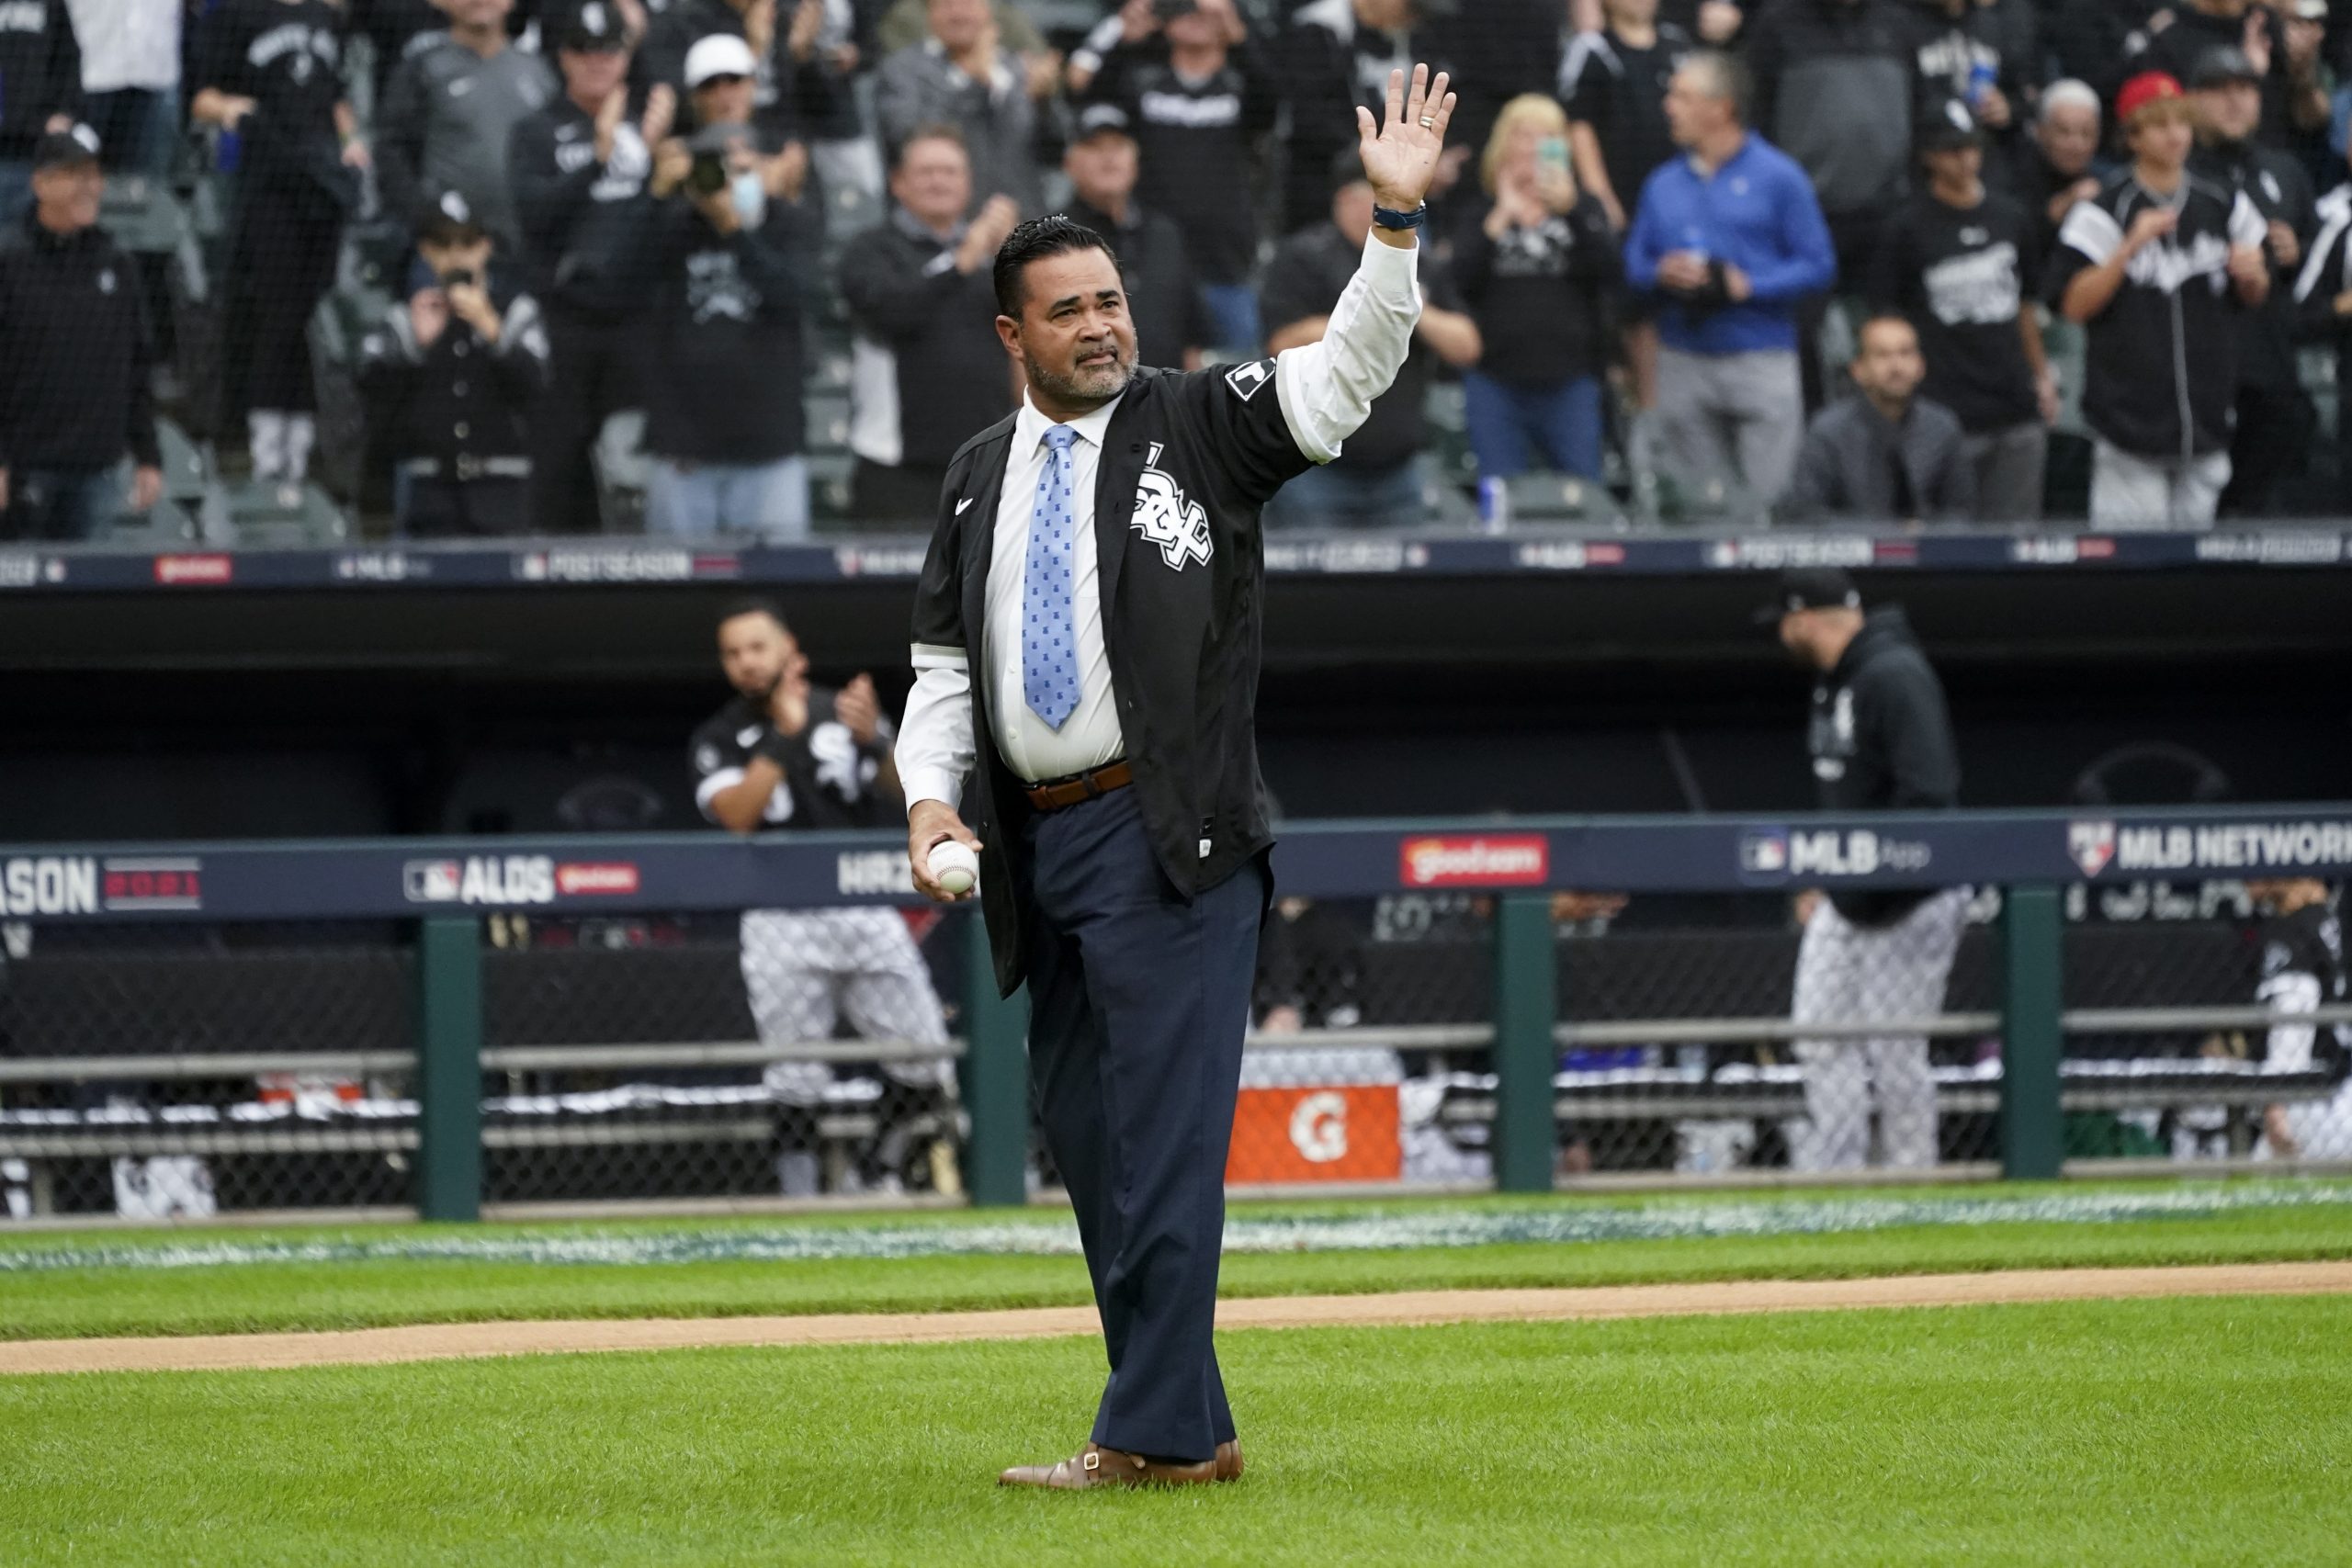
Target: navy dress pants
{"type": "Point", "coordinates": [1138, 1000]}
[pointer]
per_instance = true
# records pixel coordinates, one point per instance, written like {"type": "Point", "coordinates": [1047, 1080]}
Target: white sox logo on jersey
{"type": "Point", "coordinates": [1164, 517]}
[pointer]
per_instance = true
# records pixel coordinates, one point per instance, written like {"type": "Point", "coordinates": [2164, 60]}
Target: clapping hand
{"type": "Point", "coordinates": [1400, 153]}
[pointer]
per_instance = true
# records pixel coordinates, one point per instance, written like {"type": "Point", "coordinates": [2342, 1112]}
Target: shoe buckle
{"type": "Point", "coordinates": [1094, 1462]}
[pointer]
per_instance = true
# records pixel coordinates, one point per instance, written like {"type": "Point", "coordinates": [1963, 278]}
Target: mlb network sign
{"type": "Point", "coordinates": [2316, 845]}
{"type": "Point", "coordinates": [1774, 855]}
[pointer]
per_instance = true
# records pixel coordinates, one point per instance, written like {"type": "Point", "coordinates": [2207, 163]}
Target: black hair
{"type": "Point", "coordinates": [752, 605]}
{"type": "Point", "coordinates": [1038, 239]}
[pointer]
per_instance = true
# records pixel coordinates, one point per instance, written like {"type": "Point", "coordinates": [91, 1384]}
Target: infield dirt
{"type": "Point", "coordinates": [447, 1341]}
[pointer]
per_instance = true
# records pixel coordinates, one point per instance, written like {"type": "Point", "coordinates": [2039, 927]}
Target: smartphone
{"type": "Point", "coordinates": [1553, 152]}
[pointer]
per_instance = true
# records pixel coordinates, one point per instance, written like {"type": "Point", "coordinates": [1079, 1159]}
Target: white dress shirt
{"type": "Point", "coordinates": [1327, 389]}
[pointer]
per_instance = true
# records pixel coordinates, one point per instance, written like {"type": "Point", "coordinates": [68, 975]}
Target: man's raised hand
{"type": "Point", "coordinates": [1400, 153]}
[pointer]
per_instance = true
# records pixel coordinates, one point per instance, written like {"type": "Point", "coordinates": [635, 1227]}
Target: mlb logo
{"type": "Point", "coordinates": [2092, 845]}
{"type": "Point", "coordinates": [1249, 379]}
{"type": "Point", "coordinates": [431, 881]}
{"type": "Point", "coordinates": [1764, 854]}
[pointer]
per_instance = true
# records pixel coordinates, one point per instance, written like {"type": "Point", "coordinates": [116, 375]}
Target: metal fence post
{"type": "Point", "coordinates": [1526, 1004]}
{"type": "Point", "coordinates": [2032, 1131]}
{"type": "Point", "coordinates": [448, 1068]}
{"type": "Point", "coordinates": [996, 1079]}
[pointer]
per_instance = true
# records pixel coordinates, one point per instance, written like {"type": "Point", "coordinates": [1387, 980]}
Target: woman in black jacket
{"type": "Point", "coordinates": [1537, 263]}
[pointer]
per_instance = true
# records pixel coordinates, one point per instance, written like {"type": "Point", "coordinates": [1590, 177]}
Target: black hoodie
{"type": "Point", "coordinates": [1881, 739]}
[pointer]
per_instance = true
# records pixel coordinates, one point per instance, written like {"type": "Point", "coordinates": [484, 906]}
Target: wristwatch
{"type": "Point", "coordinates": [1389, 217]}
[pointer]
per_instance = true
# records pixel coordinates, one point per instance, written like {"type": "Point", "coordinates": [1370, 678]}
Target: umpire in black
{"type": "Point", "coordinates": [1086, 639]}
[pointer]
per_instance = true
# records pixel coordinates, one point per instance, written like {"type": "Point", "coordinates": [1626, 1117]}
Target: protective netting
{"type": "Point", "coordinates": [156, 1071]}
{"type": "Point", "coordinates": [798, 1054]}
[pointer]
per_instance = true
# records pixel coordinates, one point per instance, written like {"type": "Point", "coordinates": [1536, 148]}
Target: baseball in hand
{"type": "Point", "coordinates": [954, 866]}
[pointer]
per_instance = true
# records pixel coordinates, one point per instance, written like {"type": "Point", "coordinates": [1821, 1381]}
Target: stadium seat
{"type": "Point", "coordinates": [184, 466]}
{"type": "Point", "coordinates": [271, 514]}
{"type": "Point", "coordinates": [143, 215]}
{"type": "Point", "coordinates": [1559, 499]}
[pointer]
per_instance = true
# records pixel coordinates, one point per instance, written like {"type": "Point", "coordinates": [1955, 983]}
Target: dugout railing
{"type": "Point", "coordinates": [466, 1028]}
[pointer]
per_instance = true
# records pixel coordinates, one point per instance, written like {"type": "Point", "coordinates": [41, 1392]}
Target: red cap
{"type": "Point", "coordinates": [2147, 87]}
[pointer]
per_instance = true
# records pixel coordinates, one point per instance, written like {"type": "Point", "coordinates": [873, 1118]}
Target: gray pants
{"type": "Point", "coordinates": [2008, 465]}
{"type": "Point", "coordinates": [2131, 490]}
{"type": "Point", "coordinates": [1847, 975]}
{"type": "Point", "coordinates": [1732, 416]}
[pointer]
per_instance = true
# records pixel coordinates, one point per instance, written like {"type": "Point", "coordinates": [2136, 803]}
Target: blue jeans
{"type": "Point", "coordinates": [1341, 495]}
{"type": "Point", "coordinates": [73, 505]}
{"type": "Point", "coordinates": [137, 128]}
{"type": "Point", "coordinates": [1509, 424]}
{"type": "Point", "coordinates": [692, 499]}
{"type": "Point", "coordinates": [1233, 310]}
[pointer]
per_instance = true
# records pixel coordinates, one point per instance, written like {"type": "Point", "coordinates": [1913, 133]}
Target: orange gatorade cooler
{"type": "Point", "coordinates": [1317, 1116]}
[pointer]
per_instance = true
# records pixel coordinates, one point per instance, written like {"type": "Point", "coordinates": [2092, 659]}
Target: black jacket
{"type": "Point", "coordinates": [1187, 462]}
{"type": "Point", "coordinates": [1540, 295]}
{"type": "Point", "coordinates": [74, 352]}
{"type": "Point", "coordinates": [1197, 141]}
{"type": "Point", "coordinates": [929, 370]}
{"type": "Point", "coordinates": [1855, 464]}
{"type": "Point", "coordinates": [726, 365]}
{"type": "Point", "coordinates": [40, 72]}
{"type": "Point", "coordinates": [2274, 183]}
{"type": "Point", "coordinates": [458, 401]}
{"type": "Point", "coordinates": [582, 219]}
{"type": "Point", "coordinates": [1880, 740]}
{"type": "Point", "coordinates": [830, 781]}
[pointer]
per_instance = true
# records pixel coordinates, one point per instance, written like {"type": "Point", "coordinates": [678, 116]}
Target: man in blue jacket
{"type": "Point", "coordinates": [1729, 239]}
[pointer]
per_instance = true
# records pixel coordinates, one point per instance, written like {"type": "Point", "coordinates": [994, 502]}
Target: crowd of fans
{"type": "Point", "coordinates": [1833, 258]}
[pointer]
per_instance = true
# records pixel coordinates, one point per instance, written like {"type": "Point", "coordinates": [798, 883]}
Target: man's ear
{"type": "Point", "coordinates": [1007, 333]}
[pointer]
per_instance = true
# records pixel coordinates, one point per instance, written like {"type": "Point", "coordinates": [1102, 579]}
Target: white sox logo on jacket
{"type": "Point", "coordinates": [1166, 517]}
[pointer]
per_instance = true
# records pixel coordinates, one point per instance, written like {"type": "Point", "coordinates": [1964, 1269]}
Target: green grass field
{"type": "Point", "coordinates": [46, 1302]}
{"type": "Point", "coordinates": [2173, 1431]}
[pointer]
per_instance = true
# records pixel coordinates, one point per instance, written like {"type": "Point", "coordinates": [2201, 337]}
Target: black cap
{"type": "Point", "coordinates": [57, 149]}
{"type": "Point", "coordinates": [1810, 588]}
{"type": "Point", "coordinates": [1948, 124]}
{"type": "Point", "coordinates": [2220, 67]}
{"type": "Point", "coordinates": [449, 221]}
{"type": "Point", "coordinates": [1096, 118]}
{"type": "Point", "coordinates": [592, 27]}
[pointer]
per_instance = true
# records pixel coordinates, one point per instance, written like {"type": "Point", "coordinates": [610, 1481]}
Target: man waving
{"type": "Point", "coordinates": [1086, 640]}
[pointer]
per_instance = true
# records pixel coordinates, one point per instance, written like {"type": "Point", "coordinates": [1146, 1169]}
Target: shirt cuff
{"type": "Point", "coordinates": [923, 783]}
{"type": "Point", "coordinates": [1393, 270]}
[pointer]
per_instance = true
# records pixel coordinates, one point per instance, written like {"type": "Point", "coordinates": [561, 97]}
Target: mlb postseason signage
{"type": "Point", "coordinates": [398, 879]}
{"type": "Point", "coordinates": [1169, 522]}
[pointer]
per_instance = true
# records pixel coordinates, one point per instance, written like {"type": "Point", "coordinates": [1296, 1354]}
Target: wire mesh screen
{"type": "Point", "coordinates": [1365, 1008]}
{"type": "Point", "coordinates": [2199, 1027]}
{"type": "Point", "coordinates": [777, 1052]}
{"type": "Point", "coordinates": [1704, 1035]}
{"type": "Point", "coordinates": [167, 1072]}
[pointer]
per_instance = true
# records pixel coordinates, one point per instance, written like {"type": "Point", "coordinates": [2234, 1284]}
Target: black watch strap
{"type": "Point", "coordinates": [1389, 217]}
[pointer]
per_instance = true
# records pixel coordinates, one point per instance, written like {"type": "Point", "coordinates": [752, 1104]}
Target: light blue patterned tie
{"type": "Point", "coordinates": [1048, 639]}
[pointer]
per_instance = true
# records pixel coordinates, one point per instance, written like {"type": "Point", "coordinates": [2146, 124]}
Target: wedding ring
{"type": "Point", "coordinates": [1429, 122]}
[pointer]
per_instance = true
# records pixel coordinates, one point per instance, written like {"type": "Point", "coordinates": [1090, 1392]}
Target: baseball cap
{"type": "Point", "coordinates": [1809, 588]}
{"type": "Point", "coordinates": [1948, 125]}
{"type": "Point", "coordinates": [592, 27]}
{"type": "Point", "coordinates": [2147, 87]}
{"type": "Point", "coordinates": [2220, 67]}
{"type": "Point", "coordinates": [449, 221]}
{"type": "Point", "coordinates": [1098, 119]}
{"type": "Point", "coordinates": [57, 149]}
{"type": "Point", "coordinates": [720, 54]}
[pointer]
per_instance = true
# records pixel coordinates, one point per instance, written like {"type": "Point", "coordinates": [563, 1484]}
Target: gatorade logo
{"type": "Point", "coordinates": [1318, 1127]}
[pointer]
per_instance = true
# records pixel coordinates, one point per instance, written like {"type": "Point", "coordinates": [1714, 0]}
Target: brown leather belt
{"type": "Point", "coordinates": [1054, 797]}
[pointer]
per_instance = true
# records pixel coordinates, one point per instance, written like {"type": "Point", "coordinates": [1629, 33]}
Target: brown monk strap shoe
{"type": "Point", "coordinates": [1228, 1460]}
{"type": "Point", "coordinates": [1099, 1466]}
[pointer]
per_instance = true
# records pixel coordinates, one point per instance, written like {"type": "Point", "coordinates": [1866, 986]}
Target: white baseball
{"type": "Point", "coordinates": [954, 866]}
